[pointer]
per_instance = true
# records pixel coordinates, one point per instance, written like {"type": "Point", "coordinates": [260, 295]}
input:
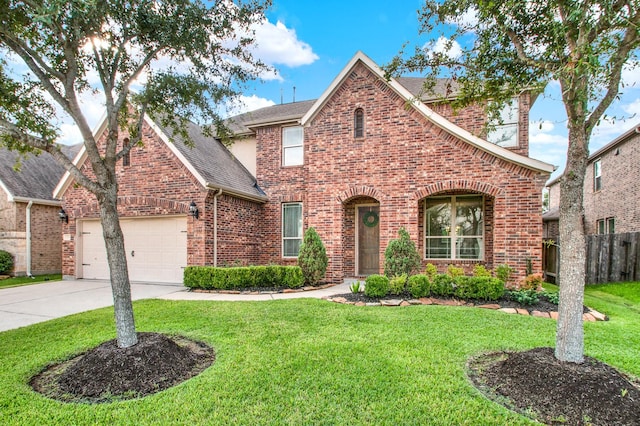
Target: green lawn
{"type": "Point", "coordinates": [310, 362]}
{"type": "Point", "coordinates": [20, 281]}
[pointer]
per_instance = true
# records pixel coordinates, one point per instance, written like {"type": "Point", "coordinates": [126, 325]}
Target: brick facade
{"type": "Point", "coordinates": [156, 184]}
{"type": "Point", "coordinates": [402, 159]}
{"type": "Point", "coordinates": [619, 197]}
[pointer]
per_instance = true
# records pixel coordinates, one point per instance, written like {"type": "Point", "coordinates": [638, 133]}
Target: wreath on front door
{"type": "Point", "coordinates": [370, 219]}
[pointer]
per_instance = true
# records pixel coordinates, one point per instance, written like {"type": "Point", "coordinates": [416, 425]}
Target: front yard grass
{"type": "Point", "coordinates": [310, 361]}
{"type": "Point", "coordinates": [36, 279]}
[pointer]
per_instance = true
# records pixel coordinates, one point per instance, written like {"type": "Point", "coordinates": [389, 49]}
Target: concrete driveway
{"type": "Point", "coordinates": [26, 305]}
{"type": "Point", "coordinates": [21, 306]}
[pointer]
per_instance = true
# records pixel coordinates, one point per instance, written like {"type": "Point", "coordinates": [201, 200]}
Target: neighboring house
{"type": "Point", "coordinates": [363, 160]}
{"type": "Point", "coordinates": [29, 223]}
{"type": "Point", "coordinates": [611, 190]}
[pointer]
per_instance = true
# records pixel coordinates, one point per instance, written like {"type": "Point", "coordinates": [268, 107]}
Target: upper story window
{"type": "Point", "coordinates": [126, 159]}
{"type": "Point", "coordinates": [597, 175]}
{"type": "Point", "coordinates": [606, 226]}
{"type": "Point", "coordinates": [292, 146]}
{"type": "Point", "coordinates": [505, 133]}
{"type": "Point", "coordinates": [454, 227]}
{"type": "Point", "coordinates": [358, 123]}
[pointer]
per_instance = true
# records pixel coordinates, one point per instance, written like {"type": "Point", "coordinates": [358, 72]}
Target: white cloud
{"type": "Point", "coordinates": [249, 103]}
{"type": "Point", "coordinates": [631, 74]}
{"type": "Point", "coordinates": [277, 44]}
{"type": "Point", "coordinates": [633, 108]}
{"type": "Point", "coordinates": [443, 45]}
{"type": "Point", "coordinates": [467, 20]}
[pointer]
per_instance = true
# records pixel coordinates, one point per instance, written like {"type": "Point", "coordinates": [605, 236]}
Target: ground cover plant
{"type": "Point", "coordinates": [19, 281]}
{"type": "Point", "coordinates": [309, 361]}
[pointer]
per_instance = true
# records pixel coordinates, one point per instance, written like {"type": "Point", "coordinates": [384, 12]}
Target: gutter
{"type": "Point", "coordinates": [235, 193]}
{"type": "Point", "coordinates": [28, 248]}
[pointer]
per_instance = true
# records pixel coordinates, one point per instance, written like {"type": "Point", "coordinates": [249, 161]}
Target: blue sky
{"type": "Point", "coordinates": [321, 38]}
{"type": "Point", "coordinates": [308, 43]}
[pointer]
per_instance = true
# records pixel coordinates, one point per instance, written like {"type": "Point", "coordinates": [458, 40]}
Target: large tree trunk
{"type": "Point", "coordinates": [570, 335]}
{"type": "Point", "coordinates": [117, 258]}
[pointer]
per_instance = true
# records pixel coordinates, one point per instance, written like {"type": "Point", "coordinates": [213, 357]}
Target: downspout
{"type": "Point", "coordinates": [28, 249]}
{"type": "Point", "coordinates": [215, 226]}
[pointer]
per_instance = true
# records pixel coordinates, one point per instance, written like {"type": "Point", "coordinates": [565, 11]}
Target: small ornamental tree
{"type": "Point", "coordinates": [312, 258]}
{"type": "Point", "coordinates": [401, 256]}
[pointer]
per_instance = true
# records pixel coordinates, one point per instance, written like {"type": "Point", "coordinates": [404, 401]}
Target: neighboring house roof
{"type": "Point", "coordinates": [275, 114]}
{"type": "Point", "coordinates": [551, 214]}
{"type": "Point", "coordinates": [207, 159]}
{"type": "Point", "coordinates": [37, 177]}
{"type": "Point", "coordinates": [428, 113]}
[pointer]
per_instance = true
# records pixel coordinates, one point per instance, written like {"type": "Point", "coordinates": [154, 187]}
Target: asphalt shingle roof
{"type": "Point", "coordinates": [213, 161]}
{"type": "Point", "coordinates": [38, 174]}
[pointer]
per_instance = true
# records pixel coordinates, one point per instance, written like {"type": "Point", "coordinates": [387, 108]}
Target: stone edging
{"type": "Point", "coordinates": [256, 292]}
{"type": "Point", "coordinates": [590, 316]}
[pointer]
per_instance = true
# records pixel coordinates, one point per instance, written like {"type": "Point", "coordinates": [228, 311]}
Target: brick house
{"type": "Point", "coordinates": [611, 193]}
{"type": "Point", "coordinates": [363, 160]}
{"type": "Point", "coordinates": [29, 223]}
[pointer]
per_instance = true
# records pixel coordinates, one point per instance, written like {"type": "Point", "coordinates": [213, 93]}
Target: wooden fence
{"type": "Point", "coordinates": [610, 258]}
{"type": "Point", "coordinates": [613, 258]}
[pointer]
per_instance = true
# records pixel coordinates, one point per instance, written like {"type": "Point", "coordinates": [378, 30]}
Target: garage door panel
{"type": "Point", "coordinates": [156, 249]}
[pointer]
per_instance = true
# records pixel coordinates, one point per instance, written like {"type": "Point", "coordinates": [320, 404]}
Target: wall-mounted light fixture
{"type": "Point", "coordinates": [63, 216]}
{"type": "Point", "coordinates": [193, 210]}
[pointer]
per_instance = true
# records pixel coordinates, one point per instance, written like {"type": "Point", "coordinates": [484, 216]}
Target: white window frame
{"type": "Point", "coordinates": [509, 119]}
{"type": "Point", "coordinates": [452, 236]}
{"type": "Point", "coordinates": [597, 175]}
{"type": "Point", "coordinates": [295, 146]}
{"type": "Point", "coordinates": [606, 226]}
{"type": "Point", "coordinates": [289, 238]}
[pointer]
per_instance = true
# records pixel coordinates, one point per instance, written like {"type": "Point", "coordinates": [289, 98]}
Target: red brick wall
{"type": "Point", "coordinates": [620, 194]}
{"type": "Point", "coordinates": [46, 235]}
{"type": "Point", "coordinates": [401, 160]}
{"type": "Point", "coordinates": [156, 183]}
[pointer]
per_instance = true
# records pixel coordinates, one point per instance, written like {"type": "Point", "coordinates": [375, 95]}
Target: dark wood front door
{"type": "Point", "coordinates": [368, 240]}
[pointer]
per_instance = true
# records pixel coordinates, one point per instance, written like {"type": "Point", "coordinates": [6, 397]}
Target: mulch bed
{"type": "Point", "coordinates": [107, 373]}
{"type": "Point", "coordinates": [539, 386]}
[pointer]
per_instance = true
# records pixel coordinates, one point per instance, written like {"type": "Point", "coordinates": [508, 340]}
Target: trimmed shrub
{"type": "Point", "coordinates": [401, 256]}
{"type": "Point", "coordinates": [6, 262]}
{"type": "Point", "coordinates": [504, 273]}
{"type": "Point", "coordinates": [532, 282]}
{"type": "Point", "coordinates": [419, 285]}
{"type": "Point", "coordinates": [209, 277]}
{"type": "Point", "coordinates": [482, 288]}
{"type": "Point", "coordinates": [398, 284]}
{"type": "Point", "coordinates": [480, 271]}
{"type": "Point", "coordinates": [442, 285]}
{"type": "Point", "coordinates": [376, 286]}
{"type": "Point", "coordinates": [430, 271]}
{"type": "Point", "coordinates": [454, 271]}
{"type": "Point", "coordinates": [312, 258]}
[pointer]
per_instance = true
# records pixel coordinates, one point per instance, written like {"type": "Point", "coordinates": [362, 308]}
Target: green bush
{"type": "Point", "coordinates": [480, 271]}
{"type": "Point", "coordinates": [552, 296]}
{"type": "Point", "coordinates": [419, 285]}
{"type": "Point", "coordinates": [524, 297]}
{"type": "Point", "coordinates": [401, 256]}
{"type": "Point", "coordinates": [376, 286]}
{"type": "Point", "coordinates": [504, 273]}
{"type": "Point", "coordinates": [209, 277]}
{"type": "Point", "coordinates": [481, 288]}
{"type": "Point", "coordinates": [532, 282]}
{"type": "Point", "coordinates": [454, 271]}
{"type": "Point", "coordinates": [6, 262]}
{"type": "Point", "coordinates": [430, 271]}
{"type": "Point", "coordinates": [398, 284]}
{"type": "Point", "coordinates": [442, 285]}
{"type": "Point", "coordinates": [312, 258]}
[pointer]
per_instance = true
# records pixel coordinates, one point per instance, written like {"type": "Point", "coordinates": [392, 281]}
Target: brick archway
{"type": "Point", "coordinates": [359, 191]}
{"type": "Point", "coordinates": [458, 185]}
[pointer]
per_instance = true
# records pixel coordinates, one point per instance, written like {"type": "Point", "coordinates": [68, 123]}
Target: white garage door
{"type": "Point", "coordinates": [156, 249]}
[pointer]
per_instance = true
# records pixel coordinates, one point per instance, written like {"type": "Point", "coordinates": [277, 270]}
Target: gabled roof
{"type": "Point", "coordinates": [37, 177]}
{"type": "Point", "coordinates": [427, 112]}
{"type": "Point", "coordinates": [283, 113]}
{"type": "Point", "coordinates": [207, 159]}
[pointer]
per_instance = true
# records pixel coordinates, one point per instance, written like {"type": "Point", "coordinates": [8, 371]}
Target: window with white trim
{"type": "Point", "coordinates": [505, 130]}
{"type": "Point", "coordinates": [606, 226]}
{"type": "Point", "coordinates": [454, 227]}
{"type": "Point", "coordinates": [291, 229]}
{"type": "Point", "coordinates": [597, 175]}
{"type": "Point", "coordinates": [292, 146]}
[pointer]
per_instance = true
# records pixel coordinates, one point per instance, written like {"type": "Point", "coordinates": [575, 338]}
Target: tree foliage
{"type": "Point", "coordinates": [176, 61]}
{"type": "Point", "coordinates": [312, 258]}
{"type": "Point", "coordinates": [510, 46]}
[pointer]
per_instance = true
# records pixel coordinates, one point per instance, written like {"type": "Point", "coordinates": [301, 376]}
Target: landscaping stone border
{"type": "Point", "coordinates": [590, 316]}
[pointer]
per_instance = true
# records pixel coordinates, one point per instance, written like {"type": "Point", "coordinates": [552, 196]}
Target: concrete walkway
{"type": "Point", "coordinates": [26, 305]}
